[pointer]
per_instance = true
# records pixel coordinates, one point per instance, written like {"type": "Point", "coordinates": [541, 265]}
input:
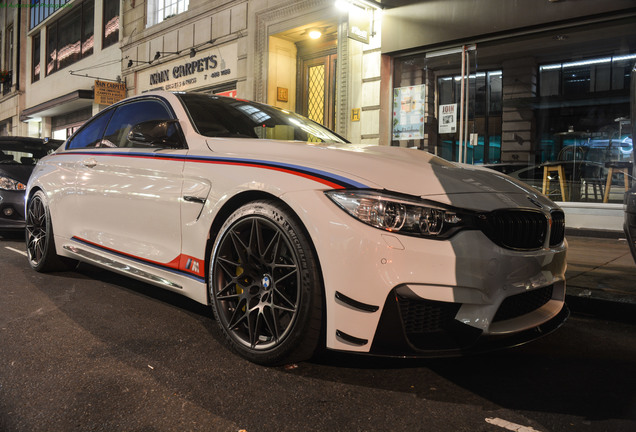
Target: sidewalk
{"type": "Point", "coordinates": [601, 277]}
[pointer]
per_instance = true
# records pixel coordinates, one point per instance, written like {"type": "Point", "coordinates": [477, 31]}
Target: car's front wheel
{"type": "Point", "coordinates": [40, 244]}
{"type": "Point", "coordinates": [265, 286]}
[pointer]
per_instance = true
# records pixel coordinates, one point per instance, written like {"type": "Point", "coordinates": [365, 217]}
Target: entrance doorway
{"type": "Point", "coordinates": [318, 89]}
{"type": "Point", "coordinates": [316, 80]}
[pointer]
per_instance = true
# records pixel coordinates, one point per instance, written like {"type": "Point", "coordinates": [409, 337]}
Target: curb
{"type": "Point", "coordinates": [612, 310]}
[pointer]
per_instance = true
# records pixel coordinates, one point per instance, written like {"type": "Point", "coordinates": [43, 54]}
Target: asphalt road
{"type": "Point", "coordinates": [92, 351]}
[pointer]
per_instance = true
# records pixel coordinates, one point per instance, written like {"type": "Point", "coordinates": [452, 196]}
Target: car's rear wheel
{"type": "Point", "coordinates": [40, 244]}
{"type": "Point", "coordinates": [265, 287]}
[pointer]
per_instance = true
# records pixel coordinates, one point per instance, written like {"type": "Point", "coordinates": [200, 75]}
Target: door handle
{"type": "Point", "coordinates": [89, 163]}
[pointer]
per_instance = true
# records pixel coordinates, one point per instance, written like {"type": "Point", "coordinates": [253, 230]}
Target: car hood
{"type": "Point", "coordinates": [17, 172]}
{"type": "Point", "coordinates": [403, 170]}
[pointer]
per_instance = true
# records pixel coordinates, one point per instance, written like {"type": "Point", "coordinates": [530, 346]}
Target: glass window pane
{"type": "Point", "coordinates": [88, 28]}
{"type": "Point", "coordinates": [445, 90]}
{"type": "Point", "coordinates": [35, 61]}
{"type": "Point", "coordinates": [111, 22]}
{"type": "Point", "coordinates": [496, 92]}
{"type": "Point", "coordinates": [620, 74]}
{"type": "Point", "coordinates": [69, 34]}
{"type": "Point", "coordinates": [91, 134]}
{"type": "Point", "coordinates": [576, 80]}
{"type": "Point", "coordinates": [478, 92]}
{"type": "Point", "coordinates": [129, 115]}
{"type": "Point", "coordinates": [51, 48]}
{"type": "Point", "coordinates": [601, 75]}
{"type": "Point", "coordinates": [549, 79]}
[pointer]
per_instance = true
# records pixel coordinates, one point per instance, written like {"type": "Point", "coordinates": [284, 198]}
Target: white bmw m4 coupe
{"type": "Point", "coordinates": [297, 238]}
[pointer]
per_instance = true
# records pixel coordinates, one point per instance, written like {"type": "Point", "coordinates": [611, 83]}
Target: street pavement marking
{"type": "Point", "coordinates": [21, 252]}
{"type": "Point", "coordinates": [510, 426]}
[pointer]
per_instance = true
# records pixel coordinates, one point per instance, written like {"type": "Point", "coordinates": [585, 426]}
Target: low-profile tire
{"type": "Point", "coordinates": [265, 285]}
{"type": "Point", "coordinates": [40, 244]}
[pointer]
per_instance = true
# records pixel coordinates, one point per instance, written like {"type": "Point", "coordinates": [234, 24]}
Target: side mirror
{"type": "Point", "coordinates": [162, 133]}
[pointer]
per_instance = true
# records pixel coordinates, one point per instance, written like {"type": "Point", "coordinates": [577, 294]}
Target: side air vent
{"type": "Point", "coordinates": [524, 303]}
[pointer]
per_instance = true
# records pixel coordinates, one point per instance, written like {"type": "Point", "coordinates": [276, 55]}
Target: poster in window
{"type": "Point", "coordinates": [448, 118]}
{"type": "Point", "coordinates": [408, 112]}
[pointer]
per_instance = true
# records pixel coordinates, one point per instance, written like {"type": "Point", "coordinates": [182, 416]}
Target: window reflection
{"type": "Point", "coordinates": [584, 127]}
{"type": "Point", "coordinates": [215, 116]}
{"type": "Point", "coordinates": [111, 22]}
{"type": "Point", "coordinates": [70, 38]}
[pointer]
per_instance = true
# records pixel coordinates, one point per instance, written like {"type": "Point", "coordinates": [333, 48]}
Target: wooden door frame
{"type": "Point", "coordinates": [312, 53]}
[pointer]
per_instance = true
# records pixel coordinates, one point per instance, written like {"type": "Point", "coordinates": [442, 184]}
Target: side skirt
{"type": "Point", "coordinates": [120, 267]}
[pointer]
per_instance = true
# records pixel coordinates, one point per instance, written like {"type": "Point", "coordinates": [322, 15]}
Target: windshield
{"type": "Point", "coordinates": [217, 116]}
{"type": "Point", "coordinates": [17, 153]}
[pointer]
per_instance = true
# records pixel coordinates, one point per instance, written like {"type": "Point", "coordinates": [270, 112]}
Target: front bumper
{"type": "Point", "coordinates": [422, 328]}
{"type": "Point", "coordinates": [11, 210]}
{"type": "Point", "coordinates": [471, 289]}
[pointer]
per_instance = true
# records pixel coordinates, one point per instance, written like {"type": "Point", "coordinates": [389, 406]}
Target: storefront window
{"type": "Point", "coordinates": [583, 128]}
{"type": "Point", "coordinates": [535, 122]}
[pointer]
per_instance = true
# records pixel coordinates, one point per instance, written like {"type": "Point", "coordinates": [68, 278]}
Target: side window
{"type": "Point", "coordinates": [127, 116]}
{"type": "Point", "coordinates": [91, 134]}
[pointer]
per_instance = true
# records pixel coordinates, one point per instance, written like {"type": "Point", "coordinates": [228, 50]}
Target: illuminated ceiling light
{"type": "Point", "coordinates": [315, 33]}
{"type": "Point", "coordinates": [346, 5]}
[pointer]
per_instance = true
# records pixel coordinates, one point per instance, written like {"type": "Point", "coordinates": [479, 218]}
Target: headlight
{"type": "Point", "coordinates": [7, 183]}
{"type": "Point", "coordinates": [395, 213]}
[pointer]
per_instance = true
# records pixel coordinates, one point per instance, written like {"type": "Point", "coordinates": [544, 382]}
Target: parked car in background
{"type": "Point", "coordinates": [18, 156]}
{"type": "Point", "coordinates": [297, 238]}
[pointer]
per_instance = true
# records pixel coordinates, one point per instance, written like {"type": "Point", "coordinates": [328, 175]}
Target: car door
{"type": "Point", "coordinates": [128, 193]}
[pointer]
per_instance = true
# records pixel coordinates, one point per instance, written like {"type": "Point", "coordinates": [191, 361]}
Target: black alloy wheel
{"type": "Point", "coordinates": [40, 245]}
{"type": "Point", "coordinates": [265, 286]}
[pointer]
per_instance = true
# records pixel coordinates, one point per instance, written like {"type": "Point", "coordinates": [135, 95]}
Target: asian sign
{"type": "Point", "coordinates": [108, 93]}
{"type": "Point", "coordinates": [210, 67]}
{"type": "Point", "coordinates": [408, 112]}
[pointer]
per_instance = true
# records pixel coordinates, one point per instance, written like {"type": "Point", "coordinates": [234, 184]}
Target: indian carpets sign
{"type": "Point", "coordinates": [108, 93]}
{"type": "Point", "coordinates": [207, 68]}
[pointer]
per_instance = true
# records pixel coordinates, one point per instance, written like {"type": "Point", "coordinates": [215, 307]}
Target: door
{"type": "Point", "coordinates": [129, 194]}
{"type": "Point", "coordinates": [462, 112]}
{"type": "Point", "coordinates": [318, 89]}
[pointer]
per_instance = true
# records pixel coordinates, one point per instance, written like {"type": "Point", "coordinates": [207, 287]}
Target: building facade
{"type": "Point", "coordinates": [259, 50]}
{"type": "Point", "coordinates": [68, 45]}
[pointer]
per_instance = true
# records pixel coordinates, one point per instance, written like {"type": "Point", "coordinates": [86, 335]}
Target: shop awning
{"type": "Point", "coordinates": [70, 102]}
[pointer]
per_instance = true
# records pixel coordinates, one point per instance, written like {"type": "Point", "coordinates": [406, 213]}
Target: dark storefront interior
{"type": "Point", "coordinates": [557, 96]}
